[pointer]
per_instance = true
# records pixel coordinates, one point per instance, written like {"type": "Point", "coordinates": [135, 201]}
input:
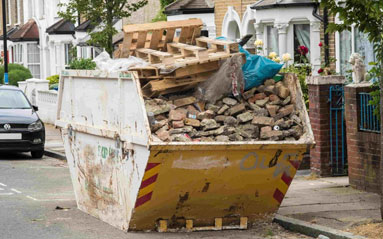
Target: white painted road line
{"type": "Point", "coordinates": [1, 189]}
{"type": "Point", "coordinates": [6, 194]}
{"type": "Point", "coordinates": [2, 184]}
{"type": "Point", "coordinates": [15, 190]}
{"type": "Point", "coordinates": [34, 199]}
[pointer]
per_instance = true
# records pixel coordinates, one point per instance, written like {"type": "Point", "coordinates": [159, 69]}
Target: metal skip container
{"type": "Point", "coordinates": [121, 176]}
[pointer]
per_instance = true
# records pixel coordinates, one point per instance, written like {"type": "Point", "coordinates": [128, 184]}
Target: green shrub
{"type": "Point", "coordinates": [54, 79]}
{"type": "Point", "coordinates": [21, 73]}
{"type": "Point", "coordinates": [18, 75]}
{"type": "Point", "coordinates": [82, 64]}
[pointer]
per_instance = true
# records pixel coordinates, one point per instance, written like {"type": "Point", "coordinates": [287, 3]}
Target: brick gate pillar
{"type": "Point", "coordinates": [319, 113]}
{"type": "Point", "coordinates": [363, 145]}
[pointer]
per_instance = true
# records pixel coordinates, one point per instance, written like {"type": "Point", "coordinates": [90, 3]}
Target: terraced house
{"type": "Point", "coordinates": [283, 25]}
{"type": "Point", "coordinates": [45, 43]}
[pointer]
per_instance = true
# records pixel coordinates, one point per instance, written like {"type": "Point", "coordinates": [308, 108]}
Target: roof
{"type": "Point", "coordinates": [189, 6]}
{"type": "Point", "coordinates": [119, 37]}
{"type": "Point", "coordinates": [28, 32]}
{"type": "Point", "coordinates": [9, 33]}
{"type": "Point", "coordinates": [85, 26]}
{"type": "Point", "coordinates": [61, 27]}
{"type": "Point", "coordinates": [267, 4]}
{"type": "Point", "coordinates": [88, 26]}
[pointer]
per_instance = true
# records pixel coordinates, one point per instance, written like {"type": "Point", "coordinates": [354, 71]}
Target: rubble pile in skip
{"type": "Point", "coordinates": [262, 113]}
{"type": "Point", "coordinates": [193, 88]}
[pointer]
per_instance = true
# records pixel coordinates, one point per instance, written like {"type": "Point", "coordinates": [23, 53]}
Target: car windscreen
{"type": "Point", "coordinates": [13, 99]}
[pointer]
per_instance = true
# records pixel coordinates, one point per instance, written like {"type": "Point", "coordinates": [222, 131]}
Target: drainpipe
{"type": "Point", "coordinates": [324, 20]}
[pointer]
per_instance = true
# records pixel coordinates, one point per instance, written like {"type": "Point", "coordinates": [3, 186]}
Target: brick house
{"type": "Point", "coordinates": [14, 20]}
{"type": "Point", "coordinates": [279, 24]}
{"type": "Point", "coordinates": [48, 52]}
{"type": "Point", "coordinates": [185, 9]}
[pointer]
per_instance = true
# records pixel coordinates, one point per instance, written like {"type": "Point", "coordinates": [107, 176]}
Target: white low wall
{"type": "Point", "coordinates": [39, 95]}
{"type": "Point", "coordinates": [47, 103]}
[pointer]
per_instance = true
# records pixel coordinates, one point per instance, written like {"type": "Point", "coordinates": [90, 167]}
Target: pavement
{"type": "Point", "coordinates": [330, 202]}
{"type": "Point", "coordinates": [53, 142]}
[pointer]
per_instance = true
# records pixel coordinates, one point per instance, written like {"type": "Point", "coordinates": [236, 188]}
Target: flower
{"type": "Point", "coordinates": [286, 57]}
{"type": "Point", "coordinates": [278, 59]}
{"type": "Point", "coordinates": [303, 50]}
{"type": "Point", "coordinates": [258, 43]}
{"type": "Point", "coordinates": [272, 55]}
{"type": "Point", "coordinates": [320, 70]}
{"type": "Point", "coordinates": [320, 44]}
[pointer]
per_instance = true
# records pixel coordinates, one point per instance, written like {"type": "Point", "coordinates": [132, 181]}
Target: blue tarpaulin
{"type": "Point", "coordinates": [257, 68]}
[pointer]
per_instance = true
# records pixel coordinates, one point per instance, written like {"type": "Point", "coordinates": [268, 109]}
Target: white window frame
{"type": "Point", "coordinates": [18, 12]}
{"type": "Point", "coordinates": [67, 53]}
{"type": "Point", "coordinates": [9, 13]}
{"type": "Point", "coordinates": [18, 48]}
{"type": "Point", "coordinates": [34, 63]}
{"type": "Point", "coordinates": [266, 41]}
{"type": "Point", "coordinates": [84, 52]}
{"type": "Point", "coordinates": [42, 9]}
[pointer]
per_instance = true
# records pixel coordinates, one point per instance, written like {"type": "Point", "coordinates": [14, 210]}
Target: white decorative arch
{"type": "Point", "coordinates": [231, 24]}
{"type": "Point", "coordinates": [247, 26]}
{"type": "Point", "coordinates": [248, 20]}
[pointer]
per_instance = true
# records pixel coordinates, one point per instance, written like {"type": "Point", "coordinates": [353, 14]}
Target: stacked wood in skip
{"type": "Point", "coordinates": [176, 63]}
{"type": "Point", "coordinates": [156, 35]}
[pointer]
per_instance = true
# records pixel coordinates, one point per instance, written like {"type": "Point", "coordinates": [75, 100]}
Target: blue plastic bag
{"type": "Point", "coordinates": [257, 68]}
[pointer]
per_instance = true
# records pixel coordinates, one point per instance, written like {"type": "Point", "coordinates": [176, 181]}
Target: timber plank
{"type": "Point", "coordinates": [162, 25]}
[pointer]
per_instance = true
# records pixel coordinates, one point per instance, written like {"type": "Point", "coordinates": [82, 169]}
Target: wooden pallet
{"type": "Point", "coordinates": [154, 56]}
{"type": "Point", "coordinates": [156, 35]}
{"type": "Point", "coordinates": [186, 50]}
{"type": "Point", "coordinates": [176, 63]}
{"type": "Point", "coordinates": [171, 85]}
{"type": "Point", "coordinates": [218, 45]}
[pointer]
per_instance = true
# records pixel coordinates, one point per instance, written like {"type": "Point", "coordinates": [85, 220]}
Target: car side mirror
{"type": "Point", "coordinates": [35, 107]}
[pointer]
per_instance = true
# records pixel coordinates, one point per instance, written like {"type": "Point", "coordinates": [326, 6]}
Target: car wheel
{"type": "Point", "coordinates": [37, 154]}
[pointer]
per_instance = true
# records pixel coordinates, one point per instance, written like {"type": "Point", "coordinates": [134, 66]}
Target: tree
{"type": "Point", "coordinates": [161, 16]}
{"type": "Point", "coordinates": [101, 13]}
{"type": "Point", "coordinates": [367, 16]}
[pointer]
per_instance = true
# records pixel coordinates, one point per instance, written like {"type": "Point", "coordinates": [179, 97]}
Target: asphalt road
{"type": "Point", "coordinates": [37, 201]}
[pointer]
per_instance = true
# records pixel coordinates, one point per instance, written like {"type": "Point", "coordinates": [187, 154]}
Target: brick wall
{"type": "Point", "coordinates": [319, 114]}
{"type": "Point", "coordinates": [14, 19]}
{"type": "Point", "coordinates": [331, 41]}
{"type": "Point", "coordinates": [363, 148]}
{"type": "Point", "coordinates": [220, 9]}
{"type": "Point", "coordinates": [144, 14]}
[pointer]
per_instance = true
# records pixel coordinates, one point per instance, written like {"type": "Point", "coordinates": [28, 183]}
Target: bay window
{"type": "Point", "coordinates": [272, 42]}
{"type": "Point", "coordinates": [354, 41]}
{"type": "Point", "coordinates": [33, 59]}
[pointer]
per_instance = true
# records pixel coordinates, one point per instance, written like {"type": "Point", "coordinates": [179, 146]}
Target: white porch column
{"type": "Point", "coordinates": [282, 37]}
{"type": "Point", "coordinates": [60, 54]}
{"type": "Point", "coordinates": [259, 29]}
{"type": "Point", "coordinates": [48, 61]}
{"type": "Point", "coordinates": [315, 51]}
{"type": "Point", "coordinates": [78, 52]}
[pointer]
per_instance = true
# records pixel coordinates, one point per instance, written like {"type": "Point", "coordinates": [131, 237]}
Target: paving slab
{"type": "Point", "coordinates": [329, 202]}
{"type": "Point", "coordinates": [54, 146]}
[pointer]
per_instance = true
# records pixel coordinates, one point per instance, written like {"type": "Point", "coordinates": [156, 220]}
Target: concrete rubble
{"type": "Point", "coordinates": [262, 113]}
